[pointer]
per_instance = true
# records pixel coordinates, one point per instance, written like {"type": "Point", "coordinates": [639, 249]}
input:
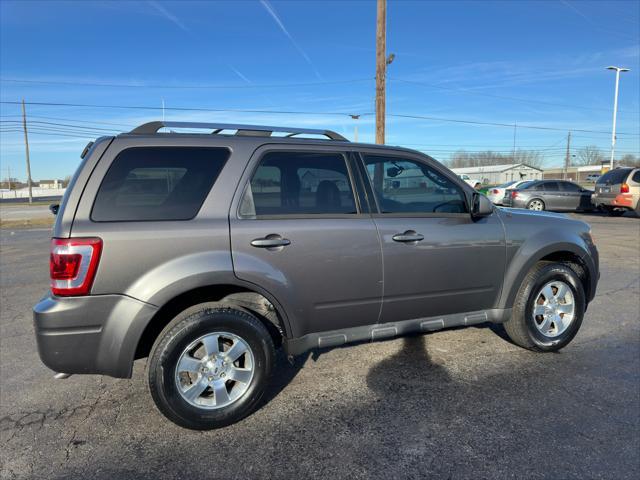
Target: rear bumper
{"type": "Point", "coordinates": [622, 200]}
{"type": "Point", "coordinates": [92, 334]}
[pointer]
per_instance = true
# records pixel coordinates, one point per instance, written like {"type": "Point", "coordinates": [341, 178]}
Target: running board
{"type": "Point", "coordinates": [382, 331]}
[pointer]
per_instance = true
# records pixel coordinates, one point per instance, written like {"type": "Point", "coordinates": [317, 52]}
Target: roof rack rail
{"type": "Point", "coordinates": [241, 130]}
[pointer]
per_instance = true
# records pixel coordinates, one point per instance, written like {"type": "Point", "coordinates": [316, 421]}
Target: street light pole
{"type": "Point", "coordinates": [355, 127]}
{"type": "Point", "coordinates": [615, 112]}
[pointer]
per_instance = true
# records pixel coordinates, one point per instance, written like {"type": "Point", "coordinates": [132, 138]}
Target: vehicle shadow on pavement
{"type": "Point", "coordinates": [412, 363]}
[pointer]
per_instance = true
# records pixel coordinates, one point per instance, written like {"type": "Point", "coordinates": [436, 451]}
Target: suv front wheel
{"type": "Point", "coordinates": [209, 367]}
{"type": "Point", "coordinates": [548, 309]}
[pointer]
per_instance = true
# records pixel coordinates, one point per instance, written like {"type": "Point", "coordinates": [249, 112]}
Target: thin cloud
{"type": "Point", "coordinates": [270, 10]}
{"type": "Point", "coordinates": [240, 75]}
{"type": "Point", "coordinates": [168, 15]}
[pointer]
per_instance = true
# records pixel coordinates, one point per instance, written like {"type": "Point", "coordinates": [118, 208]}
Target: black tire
{"type": "Point", "coordinates": [185, 328]}
{"type": "Point", "coordinates": [544, 207]}
{"type": "Point", "coordinates": [521, 328]}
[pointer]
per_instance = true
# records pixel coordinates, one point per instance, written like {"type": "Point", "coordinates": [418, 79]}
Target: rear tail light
{"type": "Point", "coordinates": [514, 194]}
{"type": "Point", "coordinates": [73, 264]}
{"type": "Point", "coordinates": [496, 191]}
{"type": "Point", "coordinates": [624, 188]}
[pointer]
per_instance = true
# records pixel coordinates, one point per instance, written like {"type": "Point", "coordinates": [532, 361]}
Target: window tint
{"type": "Point", "coordinates": [299, 183]}
{"type": "Point", "coordinates": [570, 187]}
{"type": "Point", "coordinates": [636, 176]}
{"type": "Point", "coordinates": [551, 187]}
{"type": "Point", "coordinates": [157, 183]}
{"type": "Point", "coordinates": [527, 185]}
{"type": "Point", "coordinates": [617, 175]}
{"type": "Point", "coordinates": [407, 186]}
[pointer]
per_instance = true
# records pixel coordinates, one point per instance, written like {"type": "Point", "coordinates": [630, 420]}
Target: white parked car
{"type": "Point", "coordinates": [593, 177]}
{"type": "Point", "coordinates": [473, 182]}
{"type": "Point", "coordinates": [496, 194]}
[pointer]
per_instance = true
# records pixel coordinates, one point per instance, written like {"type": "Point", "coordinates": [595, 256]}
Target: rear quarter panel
{"type": "Point", "coordinates": [153, 261]}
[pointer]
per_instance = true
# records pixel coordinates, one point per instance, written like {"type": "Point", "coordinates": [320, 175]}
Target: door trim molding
{"type": "Point", "coordinates": [381, 331]}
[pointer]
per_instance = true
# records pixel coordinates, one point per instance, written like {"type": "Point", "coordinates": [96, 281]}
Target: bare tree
{"type": "Point", "coordinates": [462, 158]}
{"type": "Point", "coordinates": [630, 160]}
{"type": "Point", "coordinates": [589, 155]}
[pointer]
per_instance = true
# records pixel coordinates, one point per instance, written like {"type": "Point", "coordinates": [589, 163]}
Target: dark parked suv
{"type": "Point", "coordinates": [205, 252]}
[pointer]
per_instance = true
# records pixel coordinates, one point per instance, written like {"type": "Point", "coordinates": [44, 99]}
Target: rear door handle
{"type": "Point", "coordinates": [270, 241]}
{"type": "Point", "coordinates": [408, 237]}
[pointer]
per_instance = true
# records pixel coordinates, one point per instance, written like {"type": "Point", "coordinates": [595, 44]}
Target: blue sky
{"type": "Point", "coordinates": [538, 64]}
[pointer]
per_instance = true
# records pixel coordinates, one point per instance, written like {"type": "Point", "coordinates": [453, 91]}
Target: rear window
{"type": "Point", "coordinates": [618, 175]}
{"type": "Point", "coordinates": [525, 185]}
{"type": "Point", "coordinates": [157, 183]}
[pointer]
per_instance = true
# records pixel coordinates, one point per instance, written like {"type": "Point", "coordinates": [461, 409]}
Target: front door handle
{"type": "Point", "coordinates": [408, 237]}
{"type": "Point", "coordinates": [270, 241]}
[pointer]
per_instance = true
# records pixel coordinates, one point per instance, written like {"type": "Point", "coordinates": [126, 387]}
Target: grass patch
{"type": "Point", "coordinates": [30, 223]}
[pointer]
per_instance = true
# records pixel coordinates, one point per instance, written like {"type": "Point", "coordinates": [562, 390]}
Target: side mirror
{"type": "Point", "coordinates": [481, 206]}
{"type": "Point", "coordinates": [54, 207]}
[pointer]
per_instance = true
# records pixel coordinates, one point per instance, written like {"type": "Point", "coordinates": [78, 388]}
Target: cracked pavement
{"type": "Point", "coordinates": [462, 403]}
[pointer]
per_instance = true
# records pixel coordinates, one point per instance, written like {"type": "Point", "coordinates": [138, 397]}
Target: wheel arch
{"type": "Point", "coordinates": [247, 297]}
{"type": "Point", "coordinates": [569, 254]}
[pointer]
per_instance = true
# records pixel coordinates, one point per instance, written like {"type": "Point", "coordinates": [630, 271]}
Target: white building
{"type": "Point", "coordinates": [497, 174]}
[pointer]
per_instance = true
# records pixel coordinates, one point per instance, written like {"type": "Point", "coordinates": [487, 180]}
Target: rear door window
{"type": "Point", "coordinates": [551, 187]}
{"type": "Point", "coordinates": [299, 183]}
{"type": "Point", "coordinates": [157, 183]}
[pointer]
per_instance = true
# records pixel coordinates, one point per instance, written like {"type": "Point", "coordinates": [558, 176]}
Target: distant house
{"type": "Point", "coordinates": [497, 174]}
{"type": "Point", "coordinates": [51, 184]}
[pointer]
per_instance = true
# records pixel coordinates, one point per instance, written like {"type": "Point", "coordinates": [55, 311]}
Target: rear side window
{"type": "Point", "coordinates": [299, 183]}
{"type": "Point", "coordinates": [570, 187]}
{"type": "Point", "coordinates": [636, 176]}
{"type": "Point", "coordinates": [157, 183]}
{"type": "Point", "coordinates": [612, 177]}
{"type": "Point", "coordinates": [551, 187]}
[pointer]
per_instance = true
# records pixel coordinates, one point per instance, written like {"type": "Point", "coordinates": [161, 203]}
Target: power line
{"type": "Point", "coordinates": [496, 124]}
{"type": "Point", "coordinates": [295, 112]}
{"type": "Point", "coordinates": [71, 120]}
{"type": "Point", "coordinates": [60, 124]}
{"type": "Point", "coordinates": [203, 87]}
{"type": "Point", "coordinates": [490, 95]}
{"type": "Point", "coordinates": [183, 109]}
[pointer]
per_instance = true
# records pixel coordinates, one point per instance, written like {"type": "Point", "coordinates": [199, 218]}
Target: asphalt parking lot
{"type": "Point", "coordinates": [461, 403]}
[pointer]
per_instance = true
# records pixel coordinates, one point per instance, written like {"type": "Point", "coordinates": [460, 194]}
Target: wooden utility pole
{"type": "Point", "coordinates": [26, 146]}
{"type": "Point", "coordinates": [567, 158]}
{"type": "Point", "coordinates": [381, 69]}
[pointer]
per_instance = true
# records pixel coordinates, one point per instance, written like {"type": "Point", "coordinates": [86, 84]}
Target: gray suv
{"type": "Point", "coordinates": [206, 252]}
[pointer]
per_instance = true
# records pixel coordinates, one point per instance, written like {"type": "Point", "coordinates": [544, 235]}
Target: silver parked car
{"type": "Point", "coordinates": [556, 195]}
{"type": "Point", "coordinates": [206, 252]}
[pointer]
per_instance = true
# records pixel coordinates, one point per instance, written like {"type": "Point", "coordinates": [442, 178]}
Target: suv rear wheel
{"type": "Point", "coordinates": [209, 367]}
{"type": "Point", "coordinates": [548, 309]}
